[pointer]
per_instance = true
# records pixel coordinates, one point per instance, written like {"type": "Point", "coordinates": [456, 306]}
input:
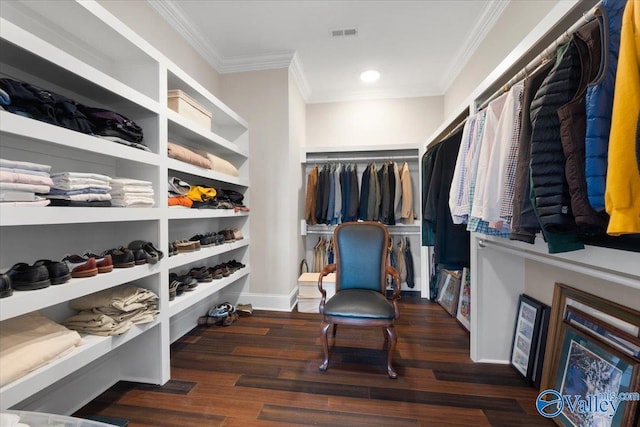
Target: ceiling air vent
{"type": "Point", "coordinates": [344, 32]}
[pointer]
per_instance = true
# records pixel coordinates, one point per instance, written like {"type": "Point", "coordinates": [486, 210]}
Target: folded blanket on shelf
{"type": "Point", "coordinates": [31, 341]}
{"type": "Point", "coordinates": [132, 189]}
{"type": "Point", "coordinates": [25, 178]}
{"type": "Point", "coordinates": [5, 163]}
{"type": "Point", "coordinates": [218, 164]}
{"type": "Point", "coordinates": [115, 182]}
{"type": "Point", "coordinates": [105, 330]}
{"type": "Point", "coordinates": [31, 188]}
{"type": "Point", "coordinates": [184, 154]}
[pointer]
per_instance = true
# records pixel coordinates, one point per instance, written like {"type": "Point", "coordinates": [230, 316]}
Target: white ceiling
{"type": "Point", "coordinates": [418, 46]}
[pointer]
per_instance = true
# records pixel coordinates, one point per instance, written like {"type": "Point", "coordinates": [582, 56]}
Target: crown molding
{"type": "Point", "coordinates": [173, 14]}
{"type": "Point", "coordinates": [484, 24]}
{"type": "Point", "coordinates": [299, 78]}
{"type": "Point", "coordinates": [267, 61]}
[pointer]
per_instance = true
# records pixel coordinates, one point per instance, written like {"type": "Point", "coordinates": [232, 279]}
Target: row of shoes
{"type": "Point", "coordinates": [205, 240]}
{"type": "Point", "coordinates": [44, 272]}
{"type": "Point", "coordinates": [180, 283]}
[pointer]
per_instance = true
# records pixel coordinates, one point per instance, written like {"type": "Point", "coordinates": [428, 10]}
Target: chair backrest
{"type": "Point", "coordinates": [361, 255]}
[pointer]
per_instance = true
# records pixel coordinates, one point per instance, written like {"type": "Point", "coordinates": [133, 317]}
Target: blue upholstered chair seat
{"type": "Point", "coordinates": [359, 303]}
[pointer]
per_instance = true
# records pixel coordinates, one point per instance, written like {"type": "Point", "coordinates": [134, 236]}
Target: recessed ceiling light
{"type": "Point", "coordinates": [369, 76]}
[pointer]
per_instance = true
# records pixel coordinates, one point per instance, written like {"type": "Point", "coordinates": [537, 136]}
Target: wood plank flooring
{"type": "Point", "coordinates": [263, 371]}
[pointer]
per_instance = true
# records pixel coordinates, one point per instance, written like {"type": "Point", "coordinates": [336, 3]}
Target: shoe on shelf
{"type": "Point", "coordinates": [236, 264]}
{"type": "Point", "coordinates": [147, 250]}
{"type": "Point", "coordinates": [219, 238]}
{"type": "Point", "coordinates": [204, 240]}
{"type": "Point", "coordinates": [223, 269]}
{"type": "Point", "coordinates": [215, 273]}
{"type": "Point", "coordinates": [121, 258]}
{"type": "Point", "coordinates": [184, 246]}
{"type": "Point", "coordinates": [6, 290]}
{"type": "Point", "coordinates": [237, 234]}
{"type": "Point", "coordinates": [25, 277]}
{"type": "Point", "coordinates": [173, 290]}
{"type": "Point", "coordinates": [228, 236]}
{"type": "Point", "coordinates": [58, 271]}
{"type": "Point", "coordinates": [172, 249]}
{"type": "Point", "coordinates": [201, 274]}
{"type": "Point", "coordinates": [80, 266]}
{"type": "Point", "coordinates": [103, 262]}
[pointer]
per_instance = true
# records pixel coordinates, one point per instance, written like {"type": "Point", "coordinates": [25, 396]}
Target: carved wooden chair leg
{"type": "Point", "coordinates": [335, 329]}
{"type": "Point", "coordinates": [392, 347]}
{"type": "Point", "coordinates": [386, 338]}
{"type": "Point", "coordinates": [325, 345]}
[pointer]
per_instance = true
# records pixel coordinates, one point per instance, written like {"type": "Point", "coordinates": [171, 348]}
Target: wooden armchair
{"type": "Point", "coordinates": [360, 299]}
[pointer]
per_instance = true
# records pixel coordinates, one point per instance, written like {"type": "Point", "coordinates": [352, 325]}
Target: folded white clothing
{"type": "Point", "coordinates": [5, 163]}
{"type": "Point", "coordinates": [137, 189]}
{"type": "Point", "coordinates": [115, 328]}
{"type": "Point", "coordinates": [80, 185]}
{"type": "Point", "coordinates": [19, 196]}
{"type": "Point", "coordinates": [131, 201]}
{"type": "Point", "coordinates": [24, 178]}
{"type": "Point", "coordinates": [38, 203]}
{"type": "Point", "coordinates": [30, 341]}
{"type": "Point", "coordinates": [90, 316]}
{"type": "Point", "coordinates": [16, 186]}
{"type": "Point", "coordinates": [129, 181]}
{"type": "Point", "coordinates": [88, 197]}
{"type": "Point", "coordinates": [67, 175]}
{"type": "Point", "coordinates": [27, 171]}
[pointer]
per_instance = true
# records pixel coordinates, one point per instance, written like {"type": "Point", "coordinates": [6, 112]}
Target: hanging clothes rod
{"type": "Point", "coordinates": [361, 159]}
{"type": "Point", "coordinates": [545, 56]}
{"type": "Point", "coordinates": [391, 232]}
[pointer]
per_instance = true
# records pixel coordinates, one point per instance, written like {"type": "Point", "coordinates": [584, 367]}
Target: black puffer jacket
{"type": "Point", "coordinates": [552, 199]}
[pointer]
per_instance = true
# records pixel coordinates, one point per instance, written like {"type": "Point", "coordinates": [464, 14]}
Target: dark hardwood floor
{"type": "Point", "coordinates": [263, 371]}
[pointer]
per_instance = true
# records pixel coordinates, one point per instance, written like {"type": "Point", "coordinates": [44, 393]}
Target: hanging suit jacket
{"type": "Point", "coordinates": [310, 200]}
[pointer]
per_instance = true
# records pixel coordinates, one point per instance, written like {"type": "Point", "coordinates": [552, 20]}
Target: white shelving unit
{"type": "Point", "coordinates": [501, 268]}
{"type": "Point", "coordinates": [60, 46]}
{"type": "Point", "coordinates": [362, 156]}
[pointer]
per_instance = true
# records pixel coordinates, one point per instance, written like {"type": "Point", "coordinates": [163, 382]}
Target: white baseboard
{"type": "Point", "coordinates": [277, 302]}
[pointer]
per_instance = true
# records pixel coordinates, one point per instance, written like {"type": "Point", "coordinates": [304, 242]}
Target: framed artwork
{"type": "Point", "coordinates": [463, 313]}
{"type": "Point", "coordinates": [584, 369]}
{"type": "Point", "coordinates": [449, 291]}
{"type": "Point", "coordinates": [526, 336]}
{"type": "Point", "coordinates": [608, 322]}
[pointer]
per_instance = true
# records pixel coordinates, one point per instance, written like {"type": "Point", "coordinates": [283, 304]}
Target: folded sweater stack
{"type": "Point", "coordinates": [131, 193]}
{"type": "Point", "coordinates": [20, 181]}
{"type": "Point", "coordinates": [80, 189]}
{"type": "Point", "coordinates": [113, 311]}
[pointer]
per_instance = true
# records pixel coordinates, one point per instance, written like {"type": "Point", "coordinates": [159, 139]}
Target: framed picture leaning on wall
{"type": "Point", "coordinates": [526, 336]}
{"type": "Point", "coordinates": [449, 290]}
{"type": "Point", "coordinates": [463, 313]}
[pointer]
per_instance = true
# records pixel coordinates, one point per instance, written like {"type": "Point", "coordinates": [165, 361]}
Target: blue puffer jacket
{"type": "Point", "coordinates": [599, 102]}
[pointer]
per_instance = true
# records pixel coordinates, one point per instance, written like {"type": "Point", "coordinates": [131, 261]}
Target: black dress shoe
{"type": "Point", "coordinates": [5, 286]}
{"type": "Point", "coordinates": [58, 271]}
{"type": "Point", "coordinates": [25, 277]}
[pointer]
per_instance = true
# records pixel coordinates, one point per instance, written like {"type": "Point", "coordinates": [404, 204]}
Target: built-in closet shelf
{"type": "Point", "coordinates": [92, 348]}
{"type": "Point", "coordinates": [202, 291]}
{"type": "Point", "coordinates": [180, 166]}
{"type": "Point", "coordinates": [184, 213]}
{"type": "Point", "coordinates": [223, 116]}
{"type": "Point", "coordinates": [204, 253]}
{"type": "Point", "coordinates": [19, 215]}
{"type": "Point", "coordinates": [53, 136]}
{"type": "Point", "coordinates": [22, 302]}
{"type": "Point", "coordinates": [46, 61]}
{"type": "Point", "coordinates": [183, 130]}
{"type": "Point", "coordinates": [613, 265]}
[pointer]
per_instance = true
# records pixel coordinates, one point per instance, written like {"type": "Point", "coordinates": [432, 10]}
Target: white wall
{"type": "Point", "coordinates": [145, 21]}
{"type": "Point", "coordinates": [373, 122]}
{"type": "Point", "coordinates": [262, 98]}
{"type": "Point", "coordinates": [517, 20]}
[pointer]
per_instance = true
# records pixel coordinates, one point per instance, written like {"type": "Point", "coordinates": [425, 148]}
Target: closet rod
{"type": "Point", "coordinates": [545, 56]}
{"type": "Point", "coordinates": [391, 232]}
{"type": "Point", "coordinates": [360, 159]}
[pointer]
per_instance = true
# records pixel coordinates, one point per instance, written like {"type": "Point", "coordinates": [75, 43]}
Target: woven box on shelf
{"type": "Point", "coordinates": [184, 105]}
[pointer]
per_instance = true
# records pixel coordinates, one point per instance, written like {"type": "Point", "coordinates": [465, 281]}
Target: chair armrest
{"type": "Point", "coordinates": [329, 268]}
{"type": "Point", "coordinates": [396, 288]}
